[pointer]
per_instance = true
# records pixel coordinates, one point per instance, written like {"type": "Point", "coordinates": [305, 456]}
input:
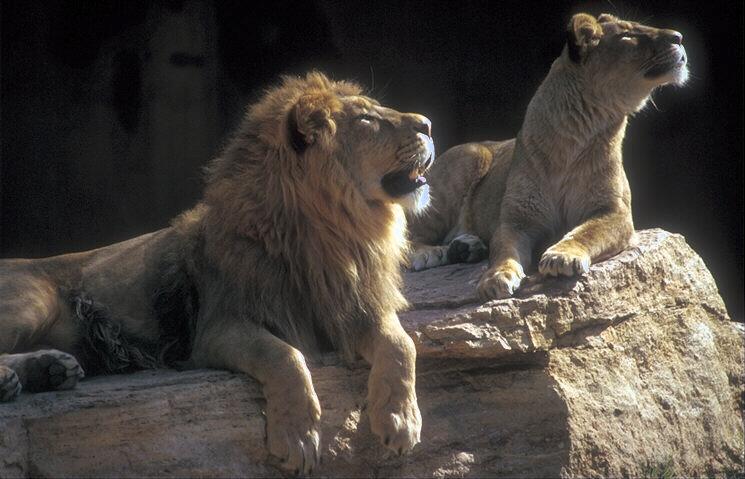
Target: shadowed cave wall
{"type": "Point", "coordinates": [110, 109]}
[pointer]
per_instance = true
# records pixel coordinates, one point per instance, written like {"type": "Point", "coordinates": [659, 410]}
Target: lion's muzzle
{"type": "Point", "coordinates": [414, 158]}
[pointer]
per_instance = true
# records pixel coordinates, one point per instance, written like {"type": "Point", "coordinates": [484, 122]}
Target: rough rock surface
{"type": "Point", "coordinates": [632, 370]}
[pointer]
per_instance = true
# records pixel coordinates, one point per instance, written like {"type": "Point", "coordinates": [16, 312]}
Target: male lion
{"type": "Point", "coordinates": [296, 245]}
{"type": "Point", "coordinates": [562, 178]}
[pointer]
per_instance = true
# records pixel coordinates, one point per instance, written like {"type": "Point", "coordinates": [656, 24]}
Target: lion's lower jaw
{"type": "Point", "coordinates": [417, 201]}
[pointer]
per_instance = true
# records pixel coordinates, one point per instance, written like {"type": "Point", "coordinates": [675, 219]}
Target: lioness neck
{"type": "Point", "coordinates": [566, 118]}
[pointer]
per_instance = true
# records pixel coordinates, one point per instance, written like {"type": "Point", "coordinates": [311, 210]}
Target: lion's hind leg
{"type": "Point", "coordinates": [467, 248]}
{"type": "Point", "coordinates": [44, 370]}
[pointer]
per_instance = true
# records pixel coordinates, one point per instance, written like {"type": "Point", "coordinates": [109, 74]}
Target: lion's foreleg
{"type": "Point", "coordinates": [293, 412]}
{"type": "Point", "coordinates": [599, 237]}
{"type": "Point", "coordinates": [391, 398]}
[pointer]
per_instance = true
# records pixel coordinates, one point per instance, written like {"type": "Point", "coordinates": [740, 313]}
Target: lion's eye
{"type": "Point", "coordinates": [366, 119]}
{"type": "Point", "coordinates": [628, 38]}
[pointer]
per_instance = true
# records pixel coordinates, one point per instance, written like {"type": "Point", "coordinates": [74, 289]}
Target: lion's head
{"type": "Point", "coordinates": [625, 60]}
{"type": "Point", "coordinates": [316, 156]}
{"type": "Point", "coordinates": [328, 126]}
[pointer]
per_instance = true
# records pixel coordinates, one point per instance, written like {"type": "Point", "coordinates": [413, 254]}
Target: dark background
{"type": "Point", "coordinates": [109, 109]}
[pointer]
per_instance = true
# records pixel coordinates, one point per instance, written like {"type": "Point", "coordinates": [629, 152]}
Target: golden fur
{"type": "Point", "coordinates": [295, 247]}
{"type": "Point", "coordinates": [562, 178]}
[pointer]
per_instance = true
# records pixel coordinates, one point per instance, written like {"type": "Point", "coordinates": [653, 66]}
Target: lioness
{"type": "Point", "coordinates": [562, 178]}
{"type": "Point", "coordinates": [296, 244]}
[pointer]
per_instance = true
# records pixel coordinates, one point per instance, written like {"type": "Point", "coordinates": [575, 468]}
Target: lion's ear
{"type": "Point", "coordinates": [583, 33]}
{"type": "Point", "coordinates": [310, 121]}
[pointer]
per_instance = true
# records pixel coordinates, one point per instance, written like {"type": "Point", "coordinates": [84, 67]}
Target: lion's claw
{"type": "Point", "coordinates": [293, 434]}
{"type": "Point", "coordinates": [398, 427]}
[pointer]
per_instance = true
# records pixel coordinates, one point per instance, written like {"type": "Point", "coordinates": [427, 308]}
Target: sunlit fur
{"type": "Point", "coordinates": [562, 178]}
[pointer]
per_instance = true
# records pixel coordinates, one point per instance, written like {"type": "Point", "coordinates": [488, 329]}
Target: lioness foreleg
{"type": "Point", "coordinates": [598, 238]}
{"type": "Point", "coordinates": [391, 396]}
{"type": "Point", "coordinates": [511, 255]}
{"type": "Point", "coordinates": [293, 412]}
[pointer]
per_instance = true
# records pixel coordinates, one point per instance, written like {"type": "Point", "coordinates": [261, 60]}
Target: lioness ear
{"type": "Point", "coordinates": [583, 33]}
{"type": "Point", "coordinates": [310, 121]}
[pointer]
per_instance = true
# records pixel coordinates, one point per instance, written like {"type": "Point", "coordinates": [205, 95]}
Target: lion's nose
{"type": "Point", "coordinates": [671, 36]}
{"type": "Point", "coordinates": [420, 124]}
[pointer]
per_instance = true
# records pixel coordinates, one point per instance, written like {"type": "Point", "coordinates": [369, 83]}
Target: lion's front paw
{"type": "Point", "coordinates": [10, 386]}
{"type": "Point", "coordinates": [49, 370]}
{"type": "Point", "coordinates": [564, 259]}
{"type": "Point", "coordinates": [501, 282]}
{"type": "Point", "coordinates": [293, 433]}
{"type": "Point", "coordinates": [428, 257]}
{"type": "Point", "coordinates": [397, 422]}
{"type": "Point", "coordinates": [467, 248]}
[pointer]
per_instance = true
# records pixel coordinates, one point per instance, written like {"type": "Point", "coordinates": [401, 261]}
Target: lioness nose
{"type": "Point", "coordinates": [420, 123]}
{"type": "Point", "coordinates": [671, 36]}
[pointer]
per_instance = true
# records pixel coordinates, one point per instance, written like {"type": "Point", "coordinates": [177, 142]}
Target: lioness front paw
{"type": "Point", "coordinates": [49, 370]}
{"type": "Point", "coordinates": [428, 257]}
{"type": "Point", "coordinates": [501, 282]}
{"type": "Point", "coordinates": [398, 423]}
{"type": "Point", "coordinates": [292, 432]}
{"type": "Point", "coordinates": [467, 248]}
{"type": "Point", "coordinates": [10, 386]}
{"type": "Point", "coordinates": [566, 260]}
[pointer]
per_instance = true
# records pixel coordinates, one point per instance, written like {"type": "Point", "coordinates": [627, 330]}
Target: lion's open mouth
{"type": "Point", "coordinates": [401, 183]}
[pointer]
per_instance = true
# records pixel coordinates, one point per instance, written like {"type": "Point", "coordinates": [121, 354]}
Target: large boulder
{"type": "Point", "coordinates": [634, 369]}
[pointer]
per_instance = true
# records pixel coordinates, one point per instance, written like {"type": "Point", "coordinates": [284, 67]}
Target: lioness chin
{"type": "Point", "coordinates": [296, 244]}
{"type": "Point", "coordinates": [561, 182]}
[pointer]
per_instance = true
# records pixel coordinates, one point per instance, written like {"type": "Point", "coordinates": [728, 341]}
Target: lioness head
{"type": "Point", "coordinates": [325, 127]}
{"type": "Point", "coordinates": [625, 60]}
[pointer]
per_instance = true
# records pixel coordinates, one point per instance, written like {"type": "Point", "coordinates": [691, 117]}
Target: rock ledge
{"type": "Point", "coordinates": [632, 369]}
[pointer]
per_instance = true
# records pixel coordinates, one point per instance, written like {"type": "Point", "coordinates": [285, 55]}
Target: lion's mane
{"type": "Point", "coordinates": [279, 223]}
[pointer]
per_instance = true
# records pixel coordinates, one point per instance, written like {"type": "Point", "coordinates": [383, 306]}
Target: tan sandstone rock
{"type": "Point", "coordinates": [633, 370]}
